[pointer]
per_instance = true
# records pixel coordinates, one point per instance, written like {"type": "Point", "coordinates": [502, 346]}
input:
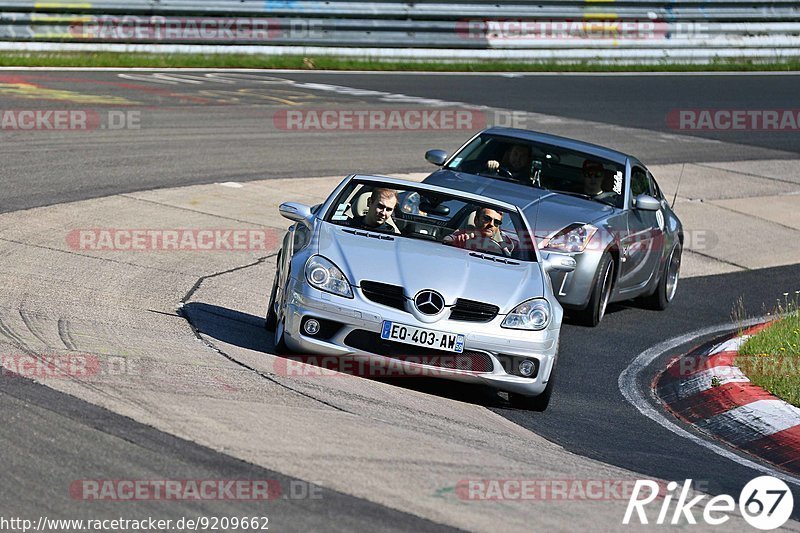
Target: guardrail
{"type": "Point", "coordinates": [634, 30]}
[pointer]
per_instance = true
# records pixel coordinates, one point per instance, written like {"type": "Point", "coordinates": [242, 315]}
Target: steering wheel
{"type": "Point", "coordinates": [505, 172]}
{"type": "Point", "coordinates": [485, 244]}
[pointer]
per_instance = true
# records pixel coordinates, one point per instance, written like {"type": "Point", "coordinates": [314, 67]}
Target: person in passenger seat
{"type": "Point", "coordinates": [594, 174]}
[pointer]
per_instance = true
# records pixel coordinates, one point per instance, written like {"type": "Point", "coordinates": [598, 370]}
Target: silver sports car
{"type": "Point", "coordinates": [435, 281]}
{"type": "Point", "coordinates": [601, 207]}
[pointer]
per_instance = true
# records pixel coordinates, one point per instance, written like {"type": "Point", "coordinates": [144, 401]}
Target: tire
{"type": "Point", "coordinates": [668, 282]}
{"type": "Point", "coordinates": [271, 320]}
{"type": "Point", "coordinates": [280, 343]}
{"type": "Point", "coordinates": [534, 403]}
{"type": "Point", "coordinates": [601, 293]}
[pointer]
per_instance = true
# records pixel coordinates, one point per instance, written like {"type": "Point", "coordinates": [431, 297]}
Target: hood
{"type": "Point", "coordinates": [416, 265]}
{"type": "Point", "coordinates": [546, 211]}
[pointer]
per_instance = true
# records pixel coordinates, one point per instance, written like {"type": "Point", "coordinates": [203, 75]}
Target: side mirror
{"type": "Point", "coordinates": [437, 157]}
{"type": "Point", "coordinates": [560, 263]}
{"type": "Point", "coordinates": [646, 203]}
{"type": "Point", "coordinates": [296, 212]}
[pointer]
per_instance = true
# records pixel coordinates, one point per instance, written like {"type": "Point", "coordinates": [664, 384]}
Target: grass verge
{"type": "Point", "coordinates": [115, 59]}
{"type": "Point", "coordinates": [771, 358]}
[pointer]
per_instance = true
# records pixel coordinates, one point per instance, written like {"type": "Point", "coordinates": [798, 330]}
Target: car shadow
{"type": "Point", "coordinates": [247, 331]}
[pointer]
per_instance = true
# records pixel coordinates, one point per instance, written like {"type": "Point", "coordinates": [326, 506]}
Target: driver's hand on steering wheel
{"type": "Point", "coordinates": [461, 239]}
{"type": "Point", "coordinates": [493, 165]}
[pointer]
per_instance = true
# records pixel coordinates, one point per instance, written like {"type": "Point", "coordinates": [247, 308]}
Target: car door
{"type": "Point", "coordinates": [641, 244]}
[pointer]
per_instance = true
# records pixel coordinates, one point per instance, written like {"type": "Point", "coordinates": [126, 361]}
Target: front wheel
{"type": "Point", "coordinates": [601, 293]}
{"type": "Point", "coordinates": [668, 283]}
{"type": "Point", "coordinates": [271, 319]}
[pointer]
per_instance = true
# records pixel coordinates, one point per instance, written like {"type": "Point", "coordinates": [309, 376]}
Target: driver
{"type": "Point", "coordinates": [380, 206]}
{"type": "Point", "coordinates": [486, 235]}
{"type": "Point", "coordinates": [516, 162]}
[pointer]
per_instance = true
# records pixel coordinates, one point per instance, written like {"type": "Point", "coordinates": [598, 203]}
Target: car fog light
{"type": "Point", "coordinates": [527, 367]}
{"type": "Point", "coordinates": [311, 326]}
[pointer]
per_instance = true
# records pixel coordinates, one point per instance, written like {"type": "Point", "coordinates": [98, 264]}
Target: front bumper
{"type": "Point", "coordinates": [361, 317]}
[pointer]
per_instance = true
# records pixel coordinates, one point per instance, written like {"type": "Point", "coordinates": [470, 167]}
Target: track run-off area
{"type": "Point", "coordinates": [167, 373]}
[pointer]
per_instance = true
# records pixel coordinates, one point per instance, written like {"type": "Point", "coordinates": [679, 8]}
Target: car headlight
{"type": "Point", "coordinates": [327, 277]}
{"type": "Point", "coordinates": [533, 314]}
{"type": "Point", "coordinates": [573, 238]}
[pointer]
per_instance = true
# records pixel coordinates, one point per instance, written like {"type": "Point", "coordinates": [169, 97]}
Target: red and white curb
{"type": "Point", "coordinates": [704, 388]}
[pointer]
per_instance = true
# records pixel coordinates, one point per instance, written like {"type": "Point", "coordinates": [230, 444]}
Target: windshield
{"type": "Point", "coordinates": [544, 166]}
{"type": "Point", "coordinates": [440, 219]}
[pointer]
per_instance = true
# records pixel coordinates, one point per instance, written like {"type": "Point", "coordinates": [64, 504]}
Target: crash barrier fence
{"type": "Point", "coordinates": [546, 29]}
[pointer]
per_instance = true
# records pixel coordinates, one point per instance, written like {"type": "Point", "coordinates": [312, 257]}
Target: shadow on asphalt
{"type": "Point", "coordinates": [247, 331]}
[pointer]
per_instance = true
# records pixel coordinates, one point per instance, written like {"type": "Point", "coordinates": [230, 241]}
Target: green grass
{"type": "Point", "coordinates": [113, 59]}
{"type": "Point", "coordinates": [771, 358]}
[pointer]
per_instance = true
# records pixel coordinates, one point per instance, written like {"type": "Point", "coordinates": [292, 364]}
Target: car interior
{"type": "Point", "coordinates": [425, 217]}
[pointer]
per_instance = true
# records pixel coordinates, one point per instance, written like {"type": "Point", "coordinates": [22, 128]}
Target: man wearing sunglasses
{"type": "Point", "coordinates": [594, 177]}
{"type": "Point", "coordinates": [486, 235]}
{"type": "Point", "coordinates": [380, 206]}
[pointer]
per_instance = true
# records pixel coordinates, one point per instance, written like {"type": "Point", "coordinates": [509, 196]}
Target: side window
{"type": "Point", "coordinates": [655, 190]}
{"type": "Point", "coordinates": [639, 182]}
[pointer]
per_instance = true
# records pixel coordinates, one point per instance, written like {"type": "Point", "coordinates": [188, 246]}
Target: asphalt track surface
{"type": "Point", "coordinates": [188, 141]}
{"type": "Point", "coordinates": [193, 131]}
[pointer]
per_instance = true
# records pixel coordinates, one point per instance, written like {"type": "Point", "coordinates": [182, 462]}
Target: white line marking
{"type": "Point", "coordinates": [628, 386]}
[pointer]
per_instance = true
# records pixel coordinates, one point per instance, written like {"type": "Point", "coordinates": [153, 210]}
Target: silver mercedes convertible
{"type": "Point", "coordinates": [598, 206]}
{"type": "Point", "coordinates": [436, 281]}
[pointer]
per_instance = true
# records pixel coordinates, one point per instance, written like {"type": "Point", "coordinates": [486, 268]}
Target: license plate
{"type": "Point", "coordinates": [437, 340]}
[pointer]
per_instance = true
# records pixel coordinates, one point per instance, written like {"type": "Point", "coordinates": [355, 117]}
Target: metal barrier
{"type": "Point", "coordinates": [570, 30]}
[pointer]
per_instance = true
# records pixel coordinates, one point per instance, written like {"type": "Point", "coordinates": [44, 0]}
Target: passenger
{"type": "Point", "coordinates": [486, 235]}
{"type": "Point", "coordinates": [516, 162]}
{"type": "Point", "coordinates": [380, 206]}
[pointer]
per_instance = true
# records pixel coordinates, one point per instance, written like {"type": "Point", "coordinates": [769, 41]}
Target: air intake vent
{"type": "Point", "coordinates": [468, 361]}
{"type": "Point", "coordinates": [496, 259]}
{"type": "Point", "coordinates": [383, 293]}
{"type": "Point", "coordinates": [471, 311]}
{"type": "Point", "coordinates": [380, 236]}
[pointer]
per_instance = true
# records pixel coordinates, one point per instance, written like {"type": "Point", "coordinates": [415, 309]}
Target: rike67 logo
{"type": "Point", "coordinates": [766, 503]}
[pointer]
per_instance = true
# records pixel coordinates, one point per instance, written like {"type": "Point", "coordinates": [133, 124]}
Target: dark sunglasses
{"type": "Point", "coordinates": [495, 221]}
